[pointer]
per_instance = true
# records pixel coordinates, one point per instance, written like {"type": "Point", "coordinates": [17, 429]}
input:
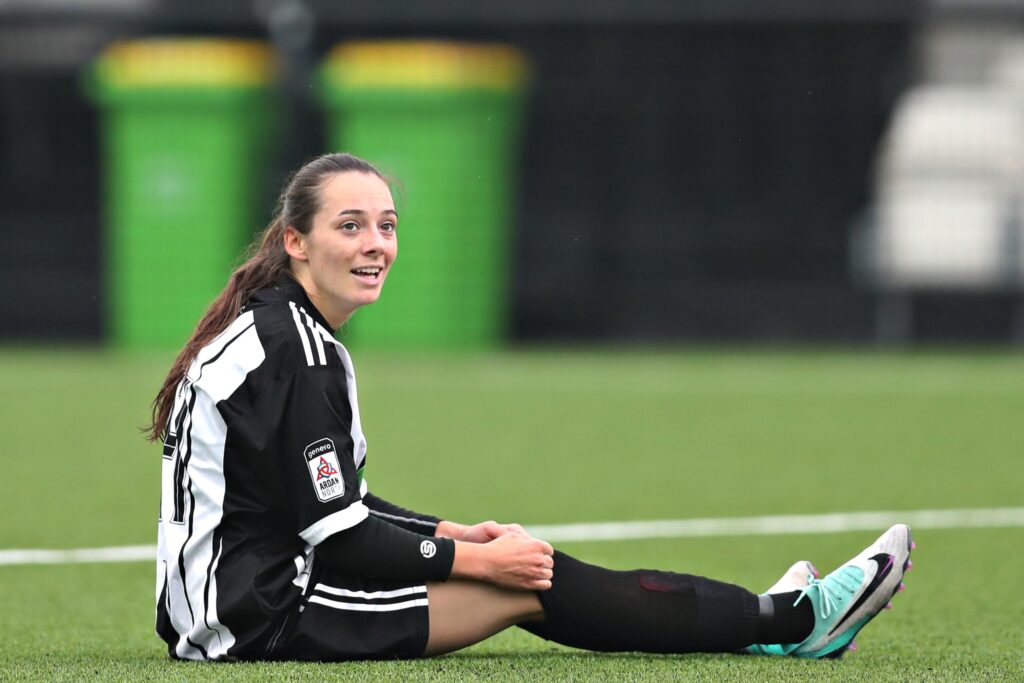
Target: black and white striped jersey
{"type": "Point", "coordinates": [263, 459]}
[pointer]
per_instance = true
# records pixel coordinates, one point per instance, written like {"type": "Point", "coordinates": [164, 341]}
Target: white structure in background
{"type": "Point", "coordinates": [949, 180]}
{"type": "Point", "coordinates": [949, 185]}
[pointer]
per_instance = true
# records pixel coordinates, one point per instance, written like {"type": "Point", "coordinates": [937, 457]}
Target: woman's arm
{"type": "Point", "coordinates": [402, 517]}
{"type": "Point", "coordinates": [430, 525]}
{"type": "Point", "coordinates": [376, 548]}
{"type": "Point", "coordinates": [484, 532]}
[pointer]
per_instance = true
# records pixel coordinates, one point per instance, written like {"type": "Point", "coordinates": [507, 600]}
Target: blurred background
{"type": "Point", "coordinates": [757, 199]}
{"type": "Point", "coordinates": [602, 171]}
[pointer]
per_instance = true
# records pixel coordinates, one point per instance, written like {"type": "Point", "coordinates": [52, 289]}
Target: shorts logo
{"type": "Point", "coordinates": [324, 470]}
{"type": "Point", "coordinates": [428, 549]}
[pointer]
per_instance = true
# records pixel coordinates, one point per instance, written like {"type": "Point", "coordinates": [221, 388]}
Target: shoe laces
{"type": "Point", "coordinates": [831, 591]}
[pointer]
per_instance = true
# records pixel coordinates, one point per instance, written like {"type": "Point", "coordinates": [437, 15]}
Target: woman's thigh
{"type": "Point", "coordinates": [466, 612]}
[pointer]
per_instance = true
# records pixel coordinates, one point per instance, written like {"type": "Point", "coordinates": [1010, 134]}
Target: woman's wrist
{"type": "Point", "coordinates": [469, 561]}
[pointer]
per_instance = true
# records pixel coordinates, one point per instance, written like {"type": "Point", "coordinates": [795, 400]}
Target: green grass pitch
{"type": "Point", "coordinates": [553, 436]}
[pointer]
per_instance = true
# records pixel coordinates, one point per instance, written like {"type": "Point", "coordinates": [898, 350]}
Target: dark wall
{"type": "Point", "coordinates": [699, 181]}
{"type": "Point", "coordinates": [49, 208]}
{"type": "Point", "coordinates": [681, 178]}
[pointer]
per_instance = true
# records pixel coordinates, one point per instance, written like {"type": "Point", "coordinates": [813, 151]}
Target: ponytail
{"type": "Point", "coordinates": [264, 267]}
{"type": "Point", "coordinates": [266, 262]}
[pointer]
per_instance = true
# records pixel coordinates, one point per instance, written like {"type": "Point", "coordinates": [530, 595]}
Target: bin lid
{"type": "Point", "coordinates": [184, 63]}
{"type": "Point", "coordinates": [424, 65]}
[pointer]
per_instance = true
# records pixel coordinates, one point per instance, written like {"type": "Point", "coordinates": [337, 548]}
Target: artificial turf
{"type": "Point", "coordinates": [551, 436]}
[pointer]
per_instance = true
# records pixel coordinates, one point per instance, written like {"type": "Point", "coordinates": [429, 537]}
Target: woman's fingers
{"type": "Point", "coordinates": [484, 532]}
{"type": "Point", "coordinates": [492, 529]}
{"type": "Point", "coordinates": [542, 570]}
{"type": "Point", "coordinates": [523, 562]}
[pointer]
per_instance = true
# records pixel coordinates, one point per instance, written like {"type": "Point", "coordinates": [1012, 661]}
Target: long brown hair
{"type": "Point", "coordinates": [266, 261]}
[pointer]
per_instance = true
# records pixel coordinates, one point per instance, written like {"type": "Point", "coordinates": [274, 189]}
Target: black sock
{"type": "Point", "coordinates": [644, 610]}
{"type": "Point", "coordinates": [782, 622]}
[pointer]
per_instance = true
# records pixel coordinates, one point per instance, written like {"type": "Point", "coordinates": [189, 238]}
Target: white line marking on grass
{"type": "Point", "coordinates": [781, 524]}
{"type": "Point", "coordinates": [124, 553]}
{"type": "Point", "coordinates": [773, 525]}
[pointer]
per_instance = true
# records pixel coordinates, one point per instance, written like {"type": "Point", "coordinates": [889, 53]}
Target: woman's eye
{"type": "Point", "coordinates": [387, 227]}
{"type": "Point", "coordinates": [350, 226]}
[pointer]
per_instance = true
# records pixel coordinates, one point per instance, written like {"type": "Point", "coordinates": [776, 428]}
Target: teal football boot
{"type": "Point", "coordinates": [851, 596]}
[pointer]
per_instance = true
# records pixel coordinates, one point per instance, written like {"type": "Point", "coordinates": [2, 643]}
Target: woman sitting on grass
{"type": "Point", "coordinates": [272, 547]}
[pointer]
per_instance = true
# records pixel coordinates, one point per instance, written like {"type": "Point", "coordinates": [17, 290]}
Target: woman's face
{"type": "Point", "coordinates": [343, 261]}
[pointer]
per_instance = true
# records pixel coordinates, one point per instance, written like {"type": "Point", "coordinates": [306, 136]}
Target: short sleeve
{"type": "Point", "coordinates": [314, 470]}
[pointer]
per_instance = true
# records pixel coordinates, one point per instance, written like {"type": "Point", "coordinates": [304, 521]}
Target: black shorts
{"type": "Point", "coordinates": [344, 617]}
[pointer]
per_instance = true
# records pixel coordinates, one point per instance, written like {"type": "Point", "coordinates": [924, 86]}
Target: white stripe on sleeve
{"type": "Point", "coordinates": [333, 523]}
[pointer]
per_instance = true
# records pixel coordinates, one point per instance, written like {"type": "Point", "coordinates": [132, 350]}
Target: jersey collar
{"type": "Point", "coordinates": [287, 289]}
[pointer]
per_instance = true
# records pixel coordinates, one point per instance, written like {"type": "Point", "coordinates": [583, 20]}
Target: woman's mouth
{"type": "Point", "coordinates": [370, 274]}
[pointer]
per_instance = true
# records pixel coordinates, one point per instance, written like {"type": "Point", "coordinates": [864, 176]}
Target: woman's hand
{"type": "Point", "coordinates": [484, 532]}
{"type": "Point", "coordinates": [512, 560]}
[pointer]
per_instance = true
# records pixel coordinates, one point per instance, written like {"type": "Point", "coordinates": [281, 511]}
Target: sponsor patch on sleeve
{"type": "Point", "coordinates": [324, 470]}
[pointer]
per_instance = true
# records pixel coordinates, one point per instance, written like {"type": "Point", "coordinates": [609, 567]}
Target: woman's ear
{"type": "Point", "coordinates": [295, 244]}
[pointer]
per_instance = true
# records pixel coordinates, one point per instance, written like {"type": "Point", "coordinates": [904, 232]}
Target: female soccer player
{"type": "Point", "coordinates": [272, 547]}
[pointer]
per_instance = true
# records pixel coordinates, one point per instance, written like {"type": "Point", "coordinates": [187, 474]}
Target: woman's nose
{"type": "Point", "coordinates": [373, 242]}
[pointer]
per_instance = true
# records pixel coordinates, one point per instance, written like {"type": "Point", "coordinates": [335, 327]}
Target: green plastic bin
{"type": "Point", "coordinates": [186, 128]}
{"type": "Point", "coordinates": [444, 119]}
